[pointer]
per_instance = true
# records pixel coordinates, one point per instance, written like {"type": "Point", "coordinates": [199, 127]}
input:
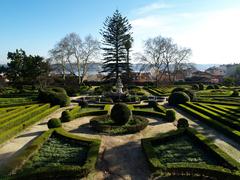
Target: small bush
{"type": "Point", "coordinates": [235, 93]}
{"type": "Point", "coordinates": [188, 92]}
{"type": "Point", "coordinates": [83, 104]}
{"type": "Point", "coordinates": [65, 117]}
{"type": "Point", "coordinates": [216, 86]}
{"type": "Point", "coordinates": [120, 113]}
{"type": "Point", "coordinates": [201, 86]}
{"type": "Point", "coordinates": [170, 115]}
{"type": "Point", "coordinates": [178, 98]}
{"type": "Point", "coordinates": [210, 87]}
{"type": "Point", "coordinates": [195, 87]}
{"type": "Point", "coordinates": [182, 123]}
{"type": "Point", "coordinates": [54, 123]}
{"type": "Point", "coordinates": [153, 104]}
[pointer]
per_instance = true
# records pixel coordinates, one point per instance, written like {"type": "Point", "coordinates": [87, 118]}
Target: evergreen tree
{"type": "Point", "coordinates": [116, 34]}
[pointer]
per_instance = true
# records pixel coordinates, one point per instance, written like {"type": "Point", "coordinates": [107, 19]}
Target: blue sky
{"type": "Point", "coordinates": [209, 27]}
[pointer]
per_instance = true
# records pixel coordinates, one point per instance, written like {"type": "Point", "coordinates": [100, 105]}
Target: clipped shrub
{"type": "Point", "coordinates": [120, 113]}
{"type": "Point", "coordinates": [235, 93]}
{"type": "Point", "coordinates": [55, 96]}
{"type": "Point", "coordinates": [182, 123]}
{"type": "Point", "coordinates": [54, 123]}
{"type": "Point", "coordinates": [178, 98]}
{"type": "Point", "coordinates": [152, 104]}
{"type": "Point", "coordinates": [201, 86]}
{"type": "Point", "coordinates": [210, 87]}
{"type": "Point", "coordinates": [195, 87]}
{"type": "Point", "coordinates": [170, 115]}
{"type": "Point", "coordinates": [178, 89]}
{"type": "Point", "coordinates": [216, 86]}
{"type": "Point", "coordinates": [189, 93]}
{"type": "Point", "coordinates": [83, 104]}
{"type": "Point", "coordinates": [65, 117]}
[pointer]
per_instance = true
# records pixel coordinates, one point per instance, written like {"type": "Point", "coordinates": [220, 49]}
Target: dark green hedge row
{"type": "Point", "coordinates": [222, 113]}
{"type": "Point", "coordinates": [15, 113]}
{"type": "Point", "coordinates": [17, 129]}
{"type": "Point", "coordinates": [215, 116]}
{"type": "Point", "coordinates": [218, 102]}
{"type": "Point", "coordinates": [191, 169]}
{"type": "Point", "coordinates": [18, 104]}
{"type": "Point", "coordinates": [234, 134]}
{"type": "Point", "coordinates": [148, 113]}
{"type": "Point", "coordinates": [153, 92]}
{"type": "Point", "coordinates": [23, 117]}
{"type": "Point", "coordinates": [65, 171]}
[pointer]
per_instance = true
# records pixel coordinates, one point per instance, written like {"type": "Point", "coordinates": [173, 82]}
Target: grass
{"type": "Point", "coordinates": [56, 152]}
{"type": "Point", "coordinates": [182, 149]}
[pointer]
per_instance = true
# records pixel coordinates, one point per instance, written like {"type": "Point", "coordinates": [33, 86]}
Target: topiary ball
{"type": "Point", "coordinates": [152, 104]}
{"type": "Point", "coordinates": [170, 115]}
{"type": "Point", "coordinates": [178, 98]}
{"type": "Point", "coordinates": [210, 87]}
{"type": "Point", "coordinates": [201, 86]}
{"type": "Point", "coordinates": [120, 113]}
{"type": "Point", "coordinates": [195, 87]}
{"type": "Point", "coordinates": [65, 117]}
{"type": "Point", "coordinates": [182, 123]}
{"type": "Point", "coordinates": [83, 104]}
{"type": "Point", "coordinates": [54, 123]}
{"type": "Point", "coordinates": [235, 93]}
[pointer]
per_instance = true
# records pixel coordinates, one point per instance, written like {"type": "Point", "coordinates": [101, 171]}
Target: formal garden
{"type": "Point", "coordinates": [54, 124]}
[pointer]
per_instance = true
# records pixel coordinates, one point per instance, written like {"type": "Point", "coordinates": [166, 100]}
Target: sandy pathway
{"type": "Point", "coordinates": [121, 157]}
{"type": "Point", "coordinates": [14, 145]}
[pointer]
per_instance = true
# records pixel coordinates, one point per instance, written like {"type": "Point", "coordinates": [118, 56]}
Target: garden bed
{"type": "Point", "coordinates": [188, 153]}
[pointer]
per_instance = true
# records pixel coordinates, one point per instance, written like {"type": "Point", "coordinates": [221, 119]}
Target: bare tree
{"type": "Point", "coordinates": [164, 56]}
{"type": "Point", "coordinates": [73, 50]}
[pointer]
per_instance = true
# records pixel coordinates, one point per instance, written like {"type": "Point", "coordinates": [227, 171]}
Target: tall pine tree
{"type": "Point", "coordinates": [116, 34]}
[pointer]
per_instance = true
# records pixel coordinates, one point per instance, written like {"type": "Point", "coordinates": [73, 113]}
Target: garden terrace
{"type": "Point", "coordinates": [20, 118]}
{"type": "Point", "coordinates": [188, 153]}
{"type": "Point", "coordinates": [215, 117]}
{"type": "Point", "coordinates": [54, 154]}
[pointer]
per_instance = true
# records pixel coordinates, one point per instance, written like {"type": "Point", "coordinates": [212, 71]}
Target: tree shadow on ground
{"type": "Point", "coordinates": [126, 161]}
{"type": "Point", "coordinates": [30, 134]}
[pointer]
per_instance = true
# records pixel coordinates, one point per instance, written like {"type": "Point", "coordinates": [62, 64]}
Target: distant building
{"type": "Point", "coordinates": [216, 71]}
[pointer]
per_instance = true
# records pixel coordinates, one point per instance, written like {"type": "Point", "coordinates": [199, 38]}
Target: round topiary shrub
{"type": "Point", "coordinates": [178, 98]}
{"type": "Point", "coordinates": [83, 104]}
{"type": "Point", "coordinates": [235, 93]}
{"type": "Point", "coordinates": [152, 104]}
{"type": "Point", "coordinates": [188, 92]}
{"type": "Point", "coordinates": [170, 115]}
{"type": "Point", "coordinates": [195, 87]}
{"type": "Point", "coordinates": [182, 123]}
{"type": "Point", "coordinates": [178, 89]}
{"type": "Point", "coordinates": [210, 87]}
{"type": "Point", "coordinates": [65, 117]}
{"type": "Point", "coordinates": [201, 86]}
{"type": "Point", "coordinates": [120, 113]}
{"type": "Point", "coordinates": [54, 123]}
{"type": "Point", "coordinates": [216, 86]}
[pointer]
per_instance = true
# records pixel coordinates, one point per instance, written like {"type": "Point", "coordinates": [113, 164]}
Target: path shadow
{"type": "Point", "coordinates": [84, 128]}
{"type": "Point", "coordinates": [30, 134]}
{"type": "Point", "coordinates": [43, 123]}
{"type": "Point", "coordinates": [124, 161]}
{"type": "Point", "coordinates": [208, 131]}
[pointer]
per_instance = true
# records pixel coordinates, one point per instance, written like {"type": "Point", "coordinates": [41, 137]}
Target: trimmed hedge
{"type": "Point", "coordinates": [65, 171]}
{"type": "Point", "coordinates": [120, 113]}
{"type": "Point", "coordinates": [178, 98]}
{"type": "Point", "coordinates": [192, 169]}
{"type": "Point", "coordinates": [213, 123]}
{"type": "Point", "coordinates": [55, 96]}
{"type": "Point", "coordinates": [54, 123]}
{"type": "Point", "coordinates": [170, 115]}
{"type": "Point", "coordinates": [16, 129]}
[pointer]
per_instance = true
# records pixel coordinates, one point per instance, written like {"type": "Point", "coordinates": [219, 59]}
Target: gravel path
{"type": "Point", "coordinates": [14, 145]}
{"type": "Point", "coordinates": [121, 157]}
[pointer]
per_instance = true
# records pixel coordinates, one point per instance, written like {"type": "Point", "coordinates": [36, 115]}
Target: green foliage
{"type": "Point", "coordinates": [83, 104]}
{"type": "Point", "coordinates": [216, 86]}
{"type": "Point", "coordinates": [235, 93]}
{"type": "Point", "coordinates": [152, 104]}
{"type": "Point", "coordinates": [25, 69]}
{"type": "Point", "coordinates": [195, 87]}
{"type": "Point", "coordinates": [182, 123]}
{"type": "Point", "coordinates": [120, 113]}
{"type": "Point", "coordinates": [201, 86]}
{"type": "Point", "coordinates": [170, 115]}
{"type": "Point", "coordinates": [188, 92]}
{"type": "Point", "coordinates": [66, 116]}
{"type": "Point", "coordinates": [178, 98]}
{"type": "Point", "coordinates": [56, 96]}
{"type": "Point", "coordinates": [54, 123]}
{"type": "Point", "coordinates": [116, 33]}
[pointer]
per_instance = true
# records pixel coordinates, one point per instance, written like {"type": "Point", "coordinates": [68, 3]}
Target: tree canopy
{"type": "Point", "coordinates": [116, 42]}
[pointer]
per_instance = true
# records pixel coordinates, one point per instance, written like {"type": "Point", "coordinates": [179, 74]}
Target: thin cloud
{"type": "Point", "coordinates": [152, 7]}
